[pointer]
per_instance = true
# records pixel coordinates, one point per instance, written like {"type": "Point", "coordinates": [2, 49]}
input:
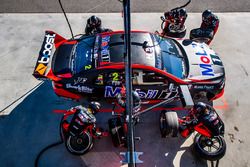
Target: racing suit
{"type": "Point", "coordinates": [82, 118]}
{"type": "Point", "coordinates": [177, 19]}
{"type": "Point", "coordinates": [207, 29]}
{"type": "Point", "coordinates": [91, 30]}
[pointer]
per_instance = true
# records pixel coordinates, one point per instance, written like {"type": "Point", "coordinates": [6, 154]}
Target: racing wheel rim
{"type": "Point", "coordinates": [79, 144]}
{"type": "Point", "coordinates": [210, 148]}
{"type": "Point", "coordinates": [172, 30]}
{"type": "Point", "coordinates": [210, 145]}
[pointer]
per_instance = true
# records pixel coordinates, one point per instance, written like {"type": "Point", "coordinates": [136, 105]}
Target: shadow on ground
{"type": "Point", "coordinates": [33, 125]}
{"type": "Point", "coordinates": [164, 152]}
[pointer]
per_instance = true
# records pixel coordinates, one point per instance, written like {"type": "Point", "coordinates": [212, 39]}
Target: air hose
{"type": "Point", "coordinates": [50, 146]}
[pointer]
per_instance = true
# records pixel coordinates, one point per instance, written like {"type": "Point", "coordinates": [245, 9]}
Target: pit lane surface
{"type": "Point", "coordinates": [30, 125]}
{"type": "Point", "coordinates": [107, 6]}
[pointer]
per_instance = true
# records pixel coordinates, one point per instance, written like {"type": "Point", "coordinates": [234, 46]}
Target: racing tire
{"type": "Point", "coordinates": [209, 148]}
{"type": "Point", "coordinates": [201, 40]}
{"type": "Point", "coordinates": [169, 124]}
{"type": "Point", "coordinates": [79, 145]}
{"type": "Point", "coordinates": [176, 34]}
{"type": "Point", "coordinates": [201, 36]}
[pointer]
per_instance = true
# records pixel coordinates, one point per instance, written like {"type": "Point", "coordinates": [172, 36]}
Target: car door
{"type": "Point", "coordinates": [153, 85]}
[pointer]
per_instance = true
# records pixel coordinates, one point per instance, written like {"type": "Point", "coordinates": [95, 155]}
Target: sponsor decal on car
{"type": "Point", "coordinates": [46, 53]}
{"type": "Point", "coordinates": [150, 94]}
{"type": "Point", "coordinates": [203, 87]}
{"type": "Point", "coordinates": [216, 60]}
{"type": "Point", "coordinates": [105, 55]}
{"type": "Point", "coordinates": [79, 88]}
{"type": "Point", "coordinates": [205, 65]}
{"type": "Point", "coordinates": [80, 80]}
{"type": "Point", "coordinates": [99, 80]}
{"type": "Point", "coordinates": [116, 83]}
{"type": "Point", "coordinates": [111, 91]}
{"type": "Point", "coordinates": [41, 68]}
{"type": "Point", "coordinates": [96, 48]}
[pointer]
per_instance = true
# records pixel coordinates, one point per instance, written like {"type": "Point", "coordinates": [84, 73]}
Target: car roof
{"type": "Point", "coordinates": [142, 50]}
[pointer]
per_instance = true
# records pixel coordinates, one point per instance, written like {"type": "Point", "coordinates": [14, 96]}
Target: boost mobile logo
{"type": "Point", "coordinates": [47, 48]}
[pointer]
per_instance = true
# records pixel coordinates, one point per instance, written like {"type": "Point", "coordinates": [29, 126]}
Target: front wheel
{"type": "Point", "coordinates": [79, 144]}
{"type": "Point", "coordinates": [210, 148]}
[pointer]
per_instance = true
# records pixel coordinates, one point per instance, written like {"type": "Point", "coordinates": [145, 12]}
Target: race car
{"type": "Point", "coordinates": [93, 66]}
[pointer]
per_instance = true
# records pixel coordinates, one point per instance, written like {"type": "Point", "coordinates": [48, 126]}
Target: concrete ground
{"type": "Point", "coordinates": [29, 125]}
{"type": "Point", "coordinates": [108, 6]}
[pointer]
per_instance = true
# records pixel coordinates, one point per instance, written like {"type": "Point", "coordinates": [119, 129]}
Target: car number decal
{"type": "Point", "coordinates": [216, 60]}
{"type": "Point", "coordinates": [115, 76]}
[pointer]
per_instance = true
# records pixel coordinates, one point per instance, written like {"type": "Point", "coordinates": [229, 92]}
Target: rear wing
{"type": "Point", "coordinates": [50, 39]}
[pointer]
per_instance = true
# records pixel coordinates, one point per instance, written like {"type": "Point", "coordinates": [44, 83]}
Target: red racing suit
{"type": "Point", "coordinates": [207, 29]}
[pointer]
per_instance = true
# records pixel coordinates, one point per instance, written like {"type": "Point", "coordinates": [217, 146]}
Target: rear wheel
{"type": "Point", "coordinates": [169, 125]}
{"type": "Point", "coordinates": [210, 148]}
{"type": "Point", "coordinates": [80, 144]}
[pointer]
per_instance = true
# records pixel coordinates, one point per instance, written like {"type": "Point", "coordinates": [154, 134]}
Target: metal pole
{"type": "Point", "coordinates": [128, 83]}
{"type": "Point", "coordinates": [154, 106]}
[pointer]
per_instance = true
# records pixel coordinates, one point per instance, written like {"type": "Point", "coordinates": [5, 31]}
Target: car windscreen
{"type": "Point", "coordinates": [172, 57]}
{"type": "Point", "coordinates": [83, 55]}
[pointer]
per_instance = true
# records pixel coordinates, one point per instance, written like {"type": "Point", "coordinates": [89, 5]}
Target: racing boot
{"type": "Point", "coordinates": [96, 132]}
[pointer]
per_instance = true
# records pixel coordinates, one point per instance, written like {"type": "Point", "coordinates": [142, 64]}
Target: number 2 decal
{"type": "Point", "coordinates": [87, 67]}
{"type": "Point", "coordinates": [115, 76]}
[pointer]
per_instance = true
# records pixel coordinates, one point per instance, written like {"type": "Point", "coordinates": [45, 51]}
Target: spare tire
{"type": "Point", "coordinates": [79, 144]}
{"type": "Point", "coordinates": [210, 148]}
{"type": "Point", "coordinates": [169, 124]}
{"type": "Point", "coordinates": [201, 35]}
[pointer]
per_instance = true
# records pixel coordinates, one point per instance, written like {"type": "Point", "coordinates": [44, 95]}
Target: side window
{"type": "Point", "coordinates": [141, 77]}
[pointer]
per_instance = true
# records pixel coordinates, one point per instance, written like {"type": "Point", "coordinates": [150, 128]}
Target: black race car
{"type": "Point", "coordinates": [93, 66]}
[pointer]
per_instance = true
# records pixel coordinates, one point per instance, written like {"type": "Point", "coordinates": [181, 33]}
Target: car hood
{"type": "Point", "coordinates": [203, 62]}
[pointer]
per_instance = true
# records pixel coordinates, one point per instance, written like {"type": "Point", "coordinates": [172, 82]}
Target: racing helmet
{"type": "Point", "coordinates": [207, 16]}
{"type": "Point", "coordinates": [136, 99]}
{"type": "Point", "coordinates": [182, 12]}
{"type": "Point", "coordinates": [199, 108]}
{"type": "Point", "coordinates": [95, 106]}
{"type": "Point", "coordinates": [94, 22]}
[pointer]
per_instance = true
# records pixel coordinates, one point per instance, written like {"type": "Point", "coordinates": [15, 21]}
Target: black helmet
{"type": "Point", "coordinates": [94, 22]}
{"type": "Point", "coordinates": [182, 12]}
{"type": "Point", "coordinates": [199, 108]}
{"type": "Point", "coordinates": [95, 106]}
{"type": "Point", "coordinates": [206, 16]}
